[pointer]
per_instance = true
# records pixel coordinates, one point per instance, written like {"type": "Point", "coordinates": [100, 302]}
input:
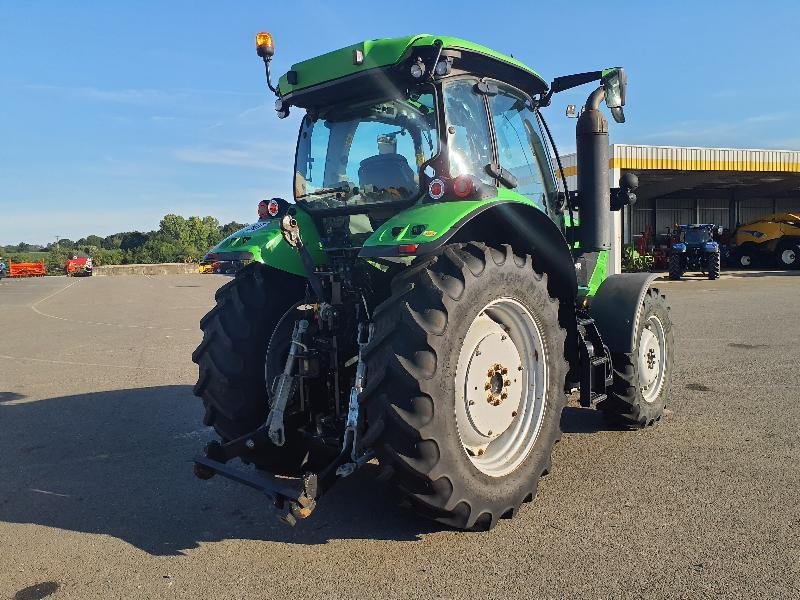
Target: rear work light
{"type": "Point", "coordinates": [405, 249]}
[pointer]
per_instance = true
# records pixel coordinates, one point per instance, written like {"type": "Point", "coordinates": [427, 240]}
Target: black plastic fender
{"type": "Point", "coordinates": [615, 308]}
{"type": "Point", "coordinates": [529, 231]}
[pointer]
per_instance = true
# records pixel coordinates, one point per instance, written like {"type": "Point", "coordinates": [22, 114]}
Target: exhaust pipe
{"type": "Point", "coordinates": [594, 193]}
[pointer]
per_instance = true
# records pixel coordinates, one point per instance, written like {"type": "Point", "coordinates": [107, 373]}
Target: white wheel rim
{"type": "Point", "coordinates": [652, 348]}
{"type": "Point", "coordinates": [745, 260]}
{"type": "Point", "coordinates": [788, 256]}
{"type": "Point", "coordinates": [500, 387]}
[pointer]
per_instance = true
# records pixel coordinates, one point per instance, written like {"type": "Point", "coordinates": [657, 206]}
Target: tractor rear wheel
{"type": "Point", "coordinates": [714, 265]}
{"type": "Point", "coordinates": [638, 395]}
{"type": "Point", "coordinates": [675, 267]}
{"type": "Point", "coordinates": [465, 384]}
{"type": "Point", "coordinates": [231, 359]}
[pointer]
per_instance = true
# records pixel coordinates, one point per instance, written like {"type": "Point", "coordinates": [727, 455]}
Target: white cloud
{"type": "Point", "coordinates": [744, 132]}
{"type": "Point", "coordinates": [274, 157]}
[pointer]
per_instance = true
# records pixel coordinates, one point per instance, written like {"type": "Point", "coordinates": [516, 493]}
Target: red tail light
{"type": "Point", "coordinates": [463, 186]}
{"type": "Point", "coordinates": [407, 248]}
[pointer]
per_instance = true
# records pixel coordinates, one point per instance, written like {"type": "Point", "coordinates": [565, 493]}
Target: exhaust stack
{"type": "Point", "coordinates": [593, 188]}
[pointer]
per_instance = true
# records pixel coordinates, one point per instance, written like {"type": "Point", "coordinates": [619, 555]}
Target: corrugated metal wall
{"type": "Point", "coordinates": [630, 156]}
{"type": "Point", "coordinates": [788, 205]}
{"type": "Point", "coordinates": [714, 211]}
{"type": "Point", "coordinates": [754, 208]}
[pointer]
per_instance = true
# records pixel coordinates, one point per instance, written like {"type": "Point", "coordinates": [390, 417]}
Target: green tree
{"type": "Point", "coordinates": [56, 260]}
{"type": "Point", "coordinates": [230, 228]}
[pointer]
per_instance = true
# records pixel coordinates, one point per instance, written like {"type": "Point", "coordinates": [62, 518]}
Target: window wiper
{"type": "Point", "coordinates": [321, 191]}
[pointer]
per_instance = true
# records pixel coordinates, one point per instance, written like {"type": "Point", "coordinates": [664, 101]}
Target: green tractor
{"type": "Point", "coordinates": [430, 298]}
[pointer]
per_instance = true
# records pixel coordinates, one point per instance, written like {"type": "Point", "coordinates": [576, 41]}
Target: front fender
{"type": "Point", "coordinates": [615, 309]}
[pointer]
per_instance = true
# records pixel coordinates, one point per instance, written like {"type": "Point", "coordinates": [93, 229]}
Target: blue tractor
{"type": "Point", "coordinates": [695, 249]}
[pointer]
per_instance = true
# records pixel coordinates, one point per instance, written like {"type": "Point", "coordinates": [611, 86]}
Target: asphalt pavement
{"type": "Point", "coordinates": [98, 425]}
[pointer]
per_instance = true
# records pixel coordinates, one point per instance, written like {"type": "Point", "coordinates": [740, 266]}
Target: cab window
{"type": "Point", "coordinates": [468, 142]}
{"type": "Point", "coordinates": [519, 145]}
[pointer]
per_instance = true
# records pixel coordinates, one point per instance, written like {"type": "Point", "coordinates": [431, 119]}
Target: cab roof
{"type": "Point", "coordinates": [385, 52]}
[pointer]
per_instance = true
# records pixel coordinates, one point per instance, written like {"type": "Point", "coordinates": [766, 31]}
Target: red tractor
{"type": "Point", "coordinates": [79, 266]}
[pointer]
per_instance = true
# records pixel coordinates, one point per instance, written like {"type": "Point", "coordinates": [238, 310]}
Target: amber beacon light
{"type": "Point", "coordinates": [264, 45]}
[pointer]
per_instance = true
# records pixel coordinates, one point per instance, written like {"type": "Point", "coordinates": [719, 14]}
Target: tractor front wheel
{"type": "Point", "coordinates": [638, 395]}
{"type": "Point", "coordinates": [465, 384]}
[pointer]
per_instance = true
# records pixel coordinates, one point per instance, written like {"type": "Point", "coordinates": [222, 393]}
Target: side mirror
{"type": "Point", "coordinates": [615, 82]}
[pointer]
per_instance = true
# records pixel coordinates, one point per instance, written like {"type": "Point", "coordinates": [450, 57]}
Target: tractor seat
{"type": "Point", "coordinates": [385, 171]}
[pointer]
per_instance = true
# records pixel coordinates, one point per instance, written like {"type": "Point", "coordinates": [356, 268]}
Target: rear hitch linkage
{"type": "Point", "coordinates": [293, 498]}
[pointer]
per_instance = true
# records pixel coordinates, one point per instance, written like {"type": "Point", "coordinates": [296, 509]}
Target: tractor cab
{"type": "Point", "coordinates": [420, 120]}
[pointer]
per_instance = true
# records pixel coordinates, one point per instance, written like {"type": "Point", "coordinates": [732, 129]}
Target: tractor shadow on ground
{"type": "Point", "coordinates": [10, 396]}
{"type": "Point", "coordinates": [119, 463]}
{"type": "Point", "coordinates": [578, 419]}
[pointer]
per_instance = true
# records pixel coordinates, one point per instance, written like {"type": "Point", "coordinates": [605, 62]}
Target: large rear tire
{"type": "Point", "coordinates": [714, 265]}
{"type": "Point", "coordinates": [675, 268]}
{"type": "Point", "coordinates": [232, 355]}
{"type": "Point", "coordinates": [465, 383]}
{"type": "Point", "coordinates": [639, 393]}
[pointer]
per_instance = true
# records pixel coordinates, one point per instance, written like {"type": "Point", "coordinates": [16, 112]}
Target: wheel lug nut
{"type": "Point", "coordinates": [504, 371]}
{"type": "Point", "coordinates": [503, 396]}
{"type": "Point", "coordinates": [507, 383]}
{"type": "Point", "coordinates": [514, 414]}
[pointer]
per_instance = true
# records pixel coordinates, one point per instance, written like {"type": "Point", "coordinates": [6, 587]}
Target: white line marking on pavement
{"type": "Point", "coordinates": [120, 325]}
{"type": "Point", "coordinates": [73, 363]}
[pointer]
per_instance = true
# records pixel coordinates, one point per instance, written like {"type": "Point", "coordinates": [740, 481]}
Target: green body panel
{"type": "Point", "coordinates": [599, 274]}
{"type": "Point", "coordinates": [267, 245]}
{"type": "Point", "coordinates": [378, 53]}
{"type": "Point", "coordinates": [436, 218]}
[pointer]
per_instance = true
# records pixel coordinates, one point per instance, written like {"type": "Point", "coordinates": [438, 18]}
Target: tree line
{"type": "Point", "coordinates": [178, 239]}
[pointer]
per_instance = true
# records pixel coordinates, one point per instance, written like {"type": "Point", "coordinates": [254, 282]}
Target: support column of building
{"type": "Point", "coordinates": [733, 211]}
{"type": "Point", "coordinates": [615, 254]}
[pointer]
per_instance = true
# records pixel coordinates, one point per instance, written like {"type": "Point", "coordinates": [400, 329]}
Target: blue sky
{"type": "Point", "coordinates": [115, 113]}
